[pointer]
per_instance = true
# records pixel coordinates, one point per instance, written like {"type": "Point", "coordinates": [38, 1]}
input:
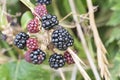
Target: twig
{"type": "Point", "coordinates": [66, 17]}
{"type": "Point", "coordinates": [81, 36]}
{"type": "Point", "coordinates": [80, 68]}
{"type": "Point", "coordinates": [17, 15]}
{"type": "Point", "coordinates": [101, 51]}
{"type": "Point", "coordinates": [67, 26]}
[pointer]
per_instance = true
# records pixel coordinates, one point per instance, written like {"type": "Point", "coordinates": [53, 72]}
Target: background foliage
{"type": "Point", "coordinates": [108, 22]}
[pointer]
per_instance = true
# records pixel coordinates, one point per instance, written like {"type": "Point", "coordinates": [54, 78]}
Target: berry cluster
{"type": "Point", "coordinates": [49, 21]}
{"type": "Point", "coordinates": [60, 38]}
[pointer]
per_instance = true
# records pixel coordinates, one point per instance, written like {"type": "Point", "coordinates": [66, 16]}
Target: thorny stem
{"type": "Point", "coordinates": [81, 36]}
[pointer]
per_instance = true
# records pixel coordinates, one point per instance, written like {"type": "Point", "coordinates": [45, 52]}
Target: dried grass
{"type": "Point", "coordinates": [101, 51]}
{"type": "Point", "coordinates": [79, 63]}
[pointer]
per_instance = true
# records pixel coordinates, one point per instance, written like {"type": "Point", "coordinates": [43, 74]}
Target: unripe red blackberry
{"type": "Point", "coordinates": [20, 40]}
{"type": "Point", "coordinates": [61, 38]}
{"type": "Point", "coordinates": [32, 43]}
{"type": "Point", "coordinates": [56, 61]}
{"type": "Point", "coordinates": [49, 21]}
{"type": "Point", "coordinates": [33, 26]}
{"type": "Point", "coordinates": [27, 56]}
{"type": "Point", "coordinates": [40, 10]}
{"type": "Point", "coordinates": [37, 56]}
{"type": "Point", "coordinates": [68, 58]}
{"type": "Point", "coordinates": [44, 1]}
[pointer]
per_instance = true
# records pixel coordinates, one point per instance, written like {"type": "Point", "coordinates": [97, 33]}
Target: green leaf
{"type": "Point", "coordinates": [26, 17]}
{"type": "Point", "coordinates": [10, 5]}
{"type": "Point", "coordinates": [115, 19]}
{"type": "Point", "coordinates": [113, 43]}
{"type": "Point", "coordinates": [80, 6]}
{"type": "Point", "coordinates": [22, 70]}
{"type": "Point", "coordinates": [63, 6]}
{"type": "Point", "coordinates": [116, 7]}
{"type": "Point", "coordinates": [115, 35]}
{"type": "Point", "coordinates": [115, 70]}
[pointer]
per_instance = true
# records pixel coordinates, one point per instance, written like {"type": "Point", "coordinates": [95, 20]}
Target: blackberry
{"type": "Point", "coordinates": [40, 10]}
{"type": "Point", "coordinates": [61, 38]}
{"type": "Point", "coordinates": [56, 61]}
{"type": "Point", "coordinates": [32, 43]}
{"type": "Point", "coordinates": [37, 56]}
{"type": "Point", "coordinates": [33, 26]}
{"type": "Point", "coordinates": [44, 1]}
{"type": "Point", "coordinates": [68, 58]}
{"type": "Point", "coordinates": [13, 24]}
{"type": "Point", "coordinates": [27, 56]}
{"type": "Point", "coordinates": [3, 37]}
{"type": "Point", "coordinates": [20, 40]}
{"type": "Point", "coordinates": [49, 21]}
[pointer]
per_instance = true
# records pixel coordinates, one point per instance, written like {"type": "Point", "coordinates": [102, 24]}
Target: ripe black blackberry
{"type": "Point", "coordinates": [37, 56]}
{"type": "Point", "coordinates": [61, 38]}
{"type": "Point", "coordinates": [3, 37]}
{"type": "Point", "coordinates": [56, 61]}
{"type": "Point", "coordinates": [49, 21]}
{"type": "Point", "coordinates": [44, 1]}
{"type": "Point", "coordinates": [68, 58]}
{"type": "Point", "coordinates": [20, 40]}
